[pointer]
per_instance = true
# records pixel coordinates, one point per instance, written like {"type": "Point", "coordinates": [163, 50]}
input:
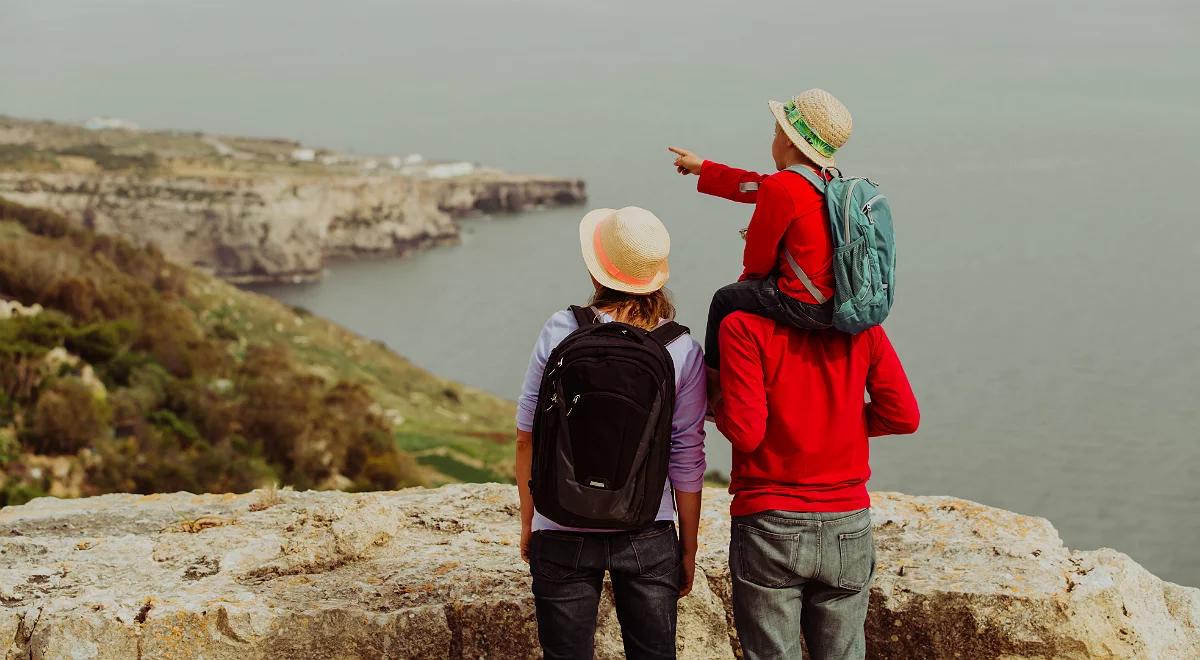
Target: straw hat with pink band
{"type": "Point", "coordinates": [626, 249]}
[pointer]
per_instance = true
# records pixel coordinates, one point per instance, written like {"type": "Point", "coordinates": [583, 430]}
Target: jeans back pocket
{"type": "Point", "coordinates": [657, 552]}
{"type": "Point", "coordinates": [554, 556]}
{"type": "Point", "coordinates": [856, 558]}
{"type": "Point", "coordinates": [767, 559]}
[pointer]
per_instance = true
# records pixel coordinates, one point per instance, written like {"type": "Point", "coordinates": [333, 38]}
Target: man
{"type": "Point", "coordinates": [801, 553]}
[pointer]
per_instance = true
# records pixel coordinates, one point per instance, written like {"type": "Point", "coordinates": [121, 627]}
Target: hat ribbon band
{"type": "Point", "coordinates": [610, 267]}
{"type": "Point", "coordinates": [792, 113]}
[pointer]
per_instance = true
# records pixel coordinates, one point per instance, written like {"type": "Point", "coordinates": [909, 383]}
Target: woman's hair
{"type": "Point", "coordinates": [643, 310]}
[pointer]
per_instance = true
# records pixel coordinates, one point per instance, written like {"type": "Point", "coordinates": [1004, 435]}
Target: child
{"type": "Point", "coordinates": [788, 275]}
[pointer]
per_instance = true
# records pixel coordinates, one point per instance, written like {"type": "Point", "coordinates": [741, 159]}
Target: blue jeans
{"type": "Point", "coordinates": [807, 572]}
{"type": "Point", "coordinates": [568, 572]}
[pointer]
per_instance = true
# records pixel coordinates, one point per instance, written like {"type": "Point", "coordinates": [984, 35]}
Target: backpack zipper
{"type": "Point", "coordinates": [867, 206]}
{"type": "Point", "coordinates": [846, 212]}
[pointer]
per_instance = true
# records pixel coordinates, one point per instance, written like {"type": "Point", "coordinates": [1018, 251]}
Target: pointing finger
{"type": "Point", "coordinates": [678, 150]}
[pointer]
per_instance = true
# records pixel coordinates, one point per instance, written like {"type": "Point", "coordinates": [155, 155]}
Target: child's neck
{"type": "Point", "coordinates": [800, 162]}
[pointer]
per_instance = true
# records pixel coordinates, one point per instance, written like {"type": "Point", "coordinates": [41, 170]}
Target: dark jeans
{"type": "Point", "coordinates": [811, 569]}
{"type": "Point", "coordinates": [761, 298]}
{"type": "Point", "coordinates": [568, 571]}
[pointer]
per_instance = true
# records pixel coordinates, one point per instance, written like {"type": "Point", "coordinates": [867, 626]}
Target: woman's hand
{"type": "Point", "coordinates": [686, 162]}
{"type": "Point", "coordinates": [526, 534]}
{"type": "Point", "coordinates": [524, 471]}
{"type": "Point", "coordinates": [688, 506]}
{"type": "Point", "coordinates": [689, 573]}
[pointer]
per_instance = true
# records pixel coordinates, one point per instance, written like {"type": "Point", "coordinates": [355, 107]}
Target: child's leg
{"type": "Point", "coordinates": [803, 315]}
{"type": "Point", "coordinates": [753, 296]}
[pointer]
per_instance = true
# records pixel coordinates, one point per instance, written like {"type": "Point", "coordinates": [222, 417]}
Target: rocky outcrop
{"type": "Point", "coordinates": [435, 574]}
{"type": "Point", "coordinates": [279, 227]}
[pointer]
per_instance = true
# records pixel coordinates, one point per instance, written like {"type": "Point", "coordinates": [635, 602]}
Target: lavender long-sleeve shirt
{"type": "Point", "coordinates": [687, 464]}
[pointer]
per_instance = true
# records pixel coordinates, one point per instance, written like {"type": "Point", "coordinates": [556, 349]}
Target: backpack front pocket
{"type": "Point", "coordinates": [605, 431]}
{"type": "Point", "coordinates": [852, 272]}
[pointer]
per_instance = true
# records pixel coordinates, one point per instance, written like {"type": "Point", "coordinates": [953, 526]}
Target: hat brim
{"type": "Point", "coordinates": [797, 139]}
{"type": "Point", "coordinates": [587, 245]}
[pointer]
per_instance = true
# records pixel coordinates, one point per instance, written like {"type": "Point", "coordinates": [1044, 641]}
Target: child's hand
{"type": "Point", "coordinates": [687, 162]}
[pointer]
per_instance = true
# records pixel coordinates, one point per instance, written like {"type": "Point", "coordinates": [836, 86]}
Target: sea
{"type": "Point", "coordinates": [1042, 161]}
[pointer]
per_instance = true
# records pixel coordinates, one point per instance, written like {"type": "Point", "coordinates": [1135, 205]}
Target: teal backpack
{"type": "Point", "coordinates": [864, 250]}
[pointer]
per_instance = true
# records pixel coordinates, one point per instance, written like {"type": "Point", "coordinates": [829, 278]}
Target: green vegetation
{"type": "Point", "coordinates": [26, 157]}
{"type": "Point", "coordinates": [47, 146]}
{"type": "Point", "coordinates": [107, 159]}
{"type": "Point", "coordinates": [716, 478]}
{"type": "Point", "coordinates": [459, 470]}
{"type": "Point", "coordinates": [151, 377]}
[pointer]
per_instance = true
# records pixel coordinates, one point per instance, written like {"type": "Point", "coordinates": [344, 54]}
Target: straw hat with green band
{"type": "Point", "coordinates": [816, 122]}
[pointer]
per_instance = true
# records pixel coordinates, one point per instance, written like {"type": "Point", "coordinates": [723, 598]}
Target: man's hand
{"type": "Point", "coordinates": [526, 534]}
{"type": "Point", "coordinates": [689, 573]}
{"type": "Point", "coordinates": [686, 162]}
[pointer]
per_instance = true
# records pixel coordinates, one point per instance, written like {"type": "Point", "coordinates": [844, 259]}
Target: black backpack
{"type": "Point", "coordinates": [602, 430]}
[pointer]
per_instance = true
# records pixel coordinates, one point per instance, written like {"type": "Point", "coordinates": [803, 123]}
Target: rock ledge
{"type": "Point", "coordinates": [435, 573]}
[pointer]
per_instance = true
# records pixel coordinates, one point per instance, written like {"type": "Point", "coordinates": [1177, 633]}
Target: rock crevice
{"type": "Point", "coordinates": [435, 573]}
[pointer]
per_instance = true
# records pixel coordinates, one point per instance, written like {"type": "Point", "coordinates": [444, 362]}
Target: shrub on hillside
{"type": "Point", "coordinates": [100, 342]}
{"type": "Point", "coordinates": [107, 159]}
{"type": "Point", "coordinates": [189, 405]}
{"type": "Point", "coordinates": [387, 471]}
{"type": "Point", "coordinates": [35, 220]}
{"type": "Point", "coordinates": [150, 461]}
{"type": "Point", "coordinates": [66, 418]}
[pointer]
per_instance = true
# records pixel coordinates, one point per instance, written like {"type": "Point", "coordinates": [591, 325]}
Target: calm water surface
{"type": "Point", "coordinates": [1042, 168]}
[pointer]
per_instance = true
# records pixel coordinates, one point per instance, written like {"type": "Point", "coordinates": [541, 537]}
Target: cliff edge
{"type": "Point", "coordinates": [253, 209]}
{"type": "Point", "coordinates": [281, 228]}
{"type": "Point", "coordinates": [424, 573]}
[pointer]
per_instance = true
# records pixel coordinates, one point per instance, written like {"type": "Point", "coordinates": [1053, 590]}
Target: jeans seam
{"type": "Point", "coordinates": [791, 521]}
{"type": "Point", "coordinates": [820, 545]}
{"type": "Point", "coordinates": [844, 518]}
{"type": "Point", "coordinates": [649, 535]}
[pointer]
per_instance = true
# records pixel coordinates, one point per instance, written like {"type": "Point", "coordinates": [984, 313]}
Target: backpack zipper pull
{"type": "Point", "coordinates": [553, 400]}
{"type": "Point", "coordinates": [573, 402]}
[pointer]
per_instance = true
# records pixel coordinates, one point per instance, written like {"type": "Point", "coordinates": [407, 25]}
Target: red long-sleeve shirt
{"type": "Point", "coordinates": [792, 405]}
{"type": "Point", "coordinates": [788, 212]}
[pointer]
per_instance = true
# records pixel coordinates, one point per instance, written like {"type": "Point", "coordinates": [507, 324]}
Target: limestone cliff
{"type": "Point", "coordinates": [280, 227]}
{"type": "Point", "coordinates": [436, 574]}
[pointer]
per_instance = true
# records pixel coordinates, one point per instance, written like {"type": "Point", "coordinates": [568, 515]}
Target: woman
{"type": "Point", "coordinates": [625, 252]}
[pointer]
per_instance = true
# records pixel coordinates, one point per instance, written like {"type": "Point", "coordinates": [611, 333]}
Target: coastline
{"type": "Point", "coordinates": [256, 210]}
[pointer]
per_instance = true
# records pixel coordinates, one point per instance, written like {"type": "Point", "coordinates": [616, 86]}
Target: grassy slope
{"type": "Point", "coordinates": [459, 433]}
{"type": "Point", "coordinates": [455, 432]}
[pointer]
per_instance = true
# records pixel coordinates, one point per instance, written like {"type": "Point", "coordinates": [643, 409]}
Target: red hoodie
{"type": "Point", "coordinates": [788, 213]}
{"type": "Point", "coordinates": [792, 405]}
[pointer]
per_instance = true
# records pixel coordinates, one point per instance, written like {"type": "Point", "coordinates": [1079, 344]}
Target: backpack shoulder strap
{"type": "Point", "coordinates": [584, 316]}
{"type": "Point", "coordinates": [817, 181]}
{"type": "Point", "coordinates": [668, 332]}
